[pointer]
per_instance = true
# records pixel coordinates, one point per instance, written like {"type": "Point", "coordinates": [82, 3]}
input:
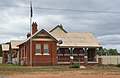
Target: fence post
{"type": "Point", "coordinates": [79, 61]}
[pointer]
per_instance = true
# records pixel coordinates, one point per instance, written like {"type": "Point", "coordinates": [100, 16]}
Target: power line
{"type": "Point", "coordinates": [59, 9]}
{"type": "Point", "coordinates": [77, 10]}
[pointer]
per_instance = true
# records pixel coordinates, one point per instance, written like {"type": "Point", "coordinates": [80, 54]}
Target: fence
{"type": "Point", "coordinates": [0, 60]}
{"type": "Point", "coordinates": [61, 61]}
{"type": "Point", "coordinates": [110, 60]}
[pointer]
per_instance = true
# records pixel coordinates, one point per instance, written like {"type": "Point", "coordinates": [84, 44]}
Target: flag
{"type": "Point", "coordinates": [31, 12]}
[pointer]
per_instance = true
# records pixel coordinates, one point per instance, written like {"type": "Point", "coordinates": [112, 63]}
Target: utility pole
{"type": "Point", "coordinates": [31, 15]}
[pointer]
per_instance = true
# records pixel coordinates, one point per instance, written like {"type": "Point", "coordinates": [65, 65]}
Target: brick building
{"type": "Point", "coordinates": [41, 47]}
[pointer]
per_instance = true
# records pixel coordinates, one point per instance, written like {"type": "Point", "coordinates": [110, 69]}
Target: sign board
{"type": "Point", "coordinates": [60, 42]}
{"type": "Point", "coordinates": [71, 57]}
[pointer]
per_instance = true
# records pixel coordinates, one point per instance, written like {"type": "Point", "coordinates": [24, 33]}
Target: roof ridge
{"type": "Point", "coordinates": [79, 32]}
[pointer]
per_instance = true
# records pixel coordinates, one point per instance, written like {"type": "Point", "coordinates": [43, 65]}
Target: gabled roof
{"type": "Point", "coordinates": [74, 39]}
{"type": "Point", "coordinates": [14, 43]}
{"type": "Point", "coordinates": [58, 26]}
{"type": "Point", "coordinates": [5, 47]}
{"type": "Point", "coordinates": [50, 35]}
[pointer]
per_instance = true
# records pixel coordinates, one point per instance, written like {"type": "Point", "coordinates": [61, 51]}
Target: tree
{"type": "Point", "coordinates": [113, 52]}
{"type": "Point", "coordinates": [104, 51]}
{"type": "Point", "coordinates": [100, 51]}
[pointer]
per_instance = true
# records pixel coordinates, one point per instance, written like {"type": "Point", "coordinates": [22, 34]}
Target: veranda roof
{"type": "Point", "coordinates": [75, 39]}
{"type": "Point", "coordinates": [5, 47]}
{"type": "Point", "coordinates": [14, 43]}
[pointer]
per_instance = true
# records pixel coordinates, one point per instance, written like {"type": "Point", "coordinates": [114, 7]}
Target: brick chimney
{"type": "Point", "coordinates": [61, 26]}
{"type": "Point", "coordinates": [28, 34]}
{"type": "Point", "coordinates": [34, 27]}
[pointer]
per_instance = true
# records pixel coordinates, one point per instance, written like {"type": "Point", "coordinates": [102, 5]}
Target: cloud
{"type": "Point", "coordinates": [49, 20]}
{"type": "Point", "coordinates": [14, 21]}
{"type": "Point", "coordinates": [109, 39]}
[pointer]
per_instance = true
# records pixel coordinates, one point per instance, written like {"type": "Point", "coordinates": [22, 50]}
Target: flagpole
{"type": "Point", "coordinates": [31, 33]}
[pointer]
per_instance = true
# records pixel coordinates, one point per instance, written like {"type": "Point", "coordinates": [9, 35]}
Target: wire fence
{"type": "Point", "coordinates": [54, 62]}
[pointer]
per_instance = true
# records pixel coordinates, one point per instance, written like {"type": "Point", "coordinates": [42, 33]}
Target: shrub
{"type": "Point", "coordinates": [118, 65]}
{"type": "Point", "coordinates": [75, 65]}
{"type": "Point", "coordinates": [0, 54]}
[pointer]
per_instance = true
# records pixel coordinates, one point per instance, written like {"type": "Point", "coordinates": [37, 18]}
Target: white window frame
{"type": "Point", "coordinates": [38, 46]}
{"type": "Point", "coordinates": [46, 46]}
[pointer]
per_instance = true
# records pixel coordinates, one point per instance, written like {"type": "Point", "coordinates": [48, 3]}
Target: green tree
{"type": "Point", "coordinates": [113, 52]}
{"type": "Point", "coordinates": [100, 51]}
{"type": "Point", "coordinates": [104, 51]}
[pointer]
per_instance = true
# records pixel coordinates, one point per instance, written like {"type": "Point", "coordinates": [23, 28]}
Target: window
{"type": "Point", "coordinates": [46, 48]}
{"type": "Point", "coordinates": [38, 48]}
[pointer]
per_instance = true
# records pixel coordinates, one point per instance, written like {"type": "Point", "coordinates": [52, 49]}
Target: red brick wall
{"type": "Point", "coordinates": [41, 59]}
{"type": "Point", "coordinates": [45, 59]}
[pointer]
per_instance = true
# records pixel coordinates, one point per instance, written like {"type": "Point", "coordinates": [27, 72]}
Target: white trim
{"type": "Point", "coordinates": [81, 54]}
{"type": "Point", "coordinates": [93, 62]}
{"type": "Point", "coordinates": [75, 54]}
{"type": "Point", "coordinates": [46, 54]}
{"type": "Point", "coordinates": [38, 54]}
{"type": "Point", "coordinates": [85, 56]}
{"type": "Point", "coordinates": [66, 54]}
{"type": "Point", "coordinates": [43, 39]}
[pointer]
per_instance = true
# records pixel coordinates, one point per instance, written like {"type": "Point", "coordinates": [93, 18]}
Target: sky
{"type": "Point", "coordinates": [100, 17]}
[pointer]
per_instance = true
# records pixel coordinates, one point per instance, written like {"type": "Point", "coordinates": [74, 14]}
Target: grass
{"type": "Point", "coordinates": [12, 69]}
{"type": "Point", "coordinates": [9, 65]}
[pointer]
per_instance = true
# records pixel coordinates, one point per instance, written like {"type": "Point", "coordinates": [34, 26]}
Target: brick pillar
{"type": "Point", "coordinates": [85, 60]}
{"type": "Point", "coordinates": [99, 60]}
{"type": "Point", "coordinates": [85, 57]}
{"type": "Point", "coordinates": [3, 57]}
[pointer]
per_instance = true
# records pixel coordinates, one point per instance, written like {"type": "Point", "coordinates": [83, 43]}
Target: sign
{"type": "Point", "coordinates": [60, 42]}
{"type": "Point", "coordinates": [71, 57]}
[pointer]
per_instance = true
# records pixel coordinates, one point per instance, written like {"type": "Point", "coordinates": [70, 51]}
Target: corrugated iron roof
{"type": "Point", "coordinates": [78, 39]}
{"type": "Point", "coordinates": [70, 39]}
{"type": "Point", "coordinates": [75, 39]}
{"type": "Point", "coordinates": [56, 28]}
{"type": "Point", "coordinates": [5, 47]}
{"type": "Point", "coordinates": [14, 43]}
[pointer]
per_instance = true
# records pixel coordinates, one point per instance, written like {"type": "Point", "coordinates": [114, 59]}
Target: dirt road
{"type": "Point", "coordinates": [65, 74]}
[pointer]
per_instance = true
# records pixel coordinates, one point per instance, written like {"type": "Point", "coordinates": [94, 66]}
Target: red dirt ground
{"type": "Point", "coordinates": [64, 74]}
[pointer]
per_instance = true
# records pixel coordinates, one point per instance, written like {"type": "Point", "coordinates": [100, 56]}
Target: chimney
{"type": "Point", "coordinates": [61, 26]}
{"type": "Point", "coordinates": [34, 27]}
{"type": "Point", "coordinates": [28, 34]}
